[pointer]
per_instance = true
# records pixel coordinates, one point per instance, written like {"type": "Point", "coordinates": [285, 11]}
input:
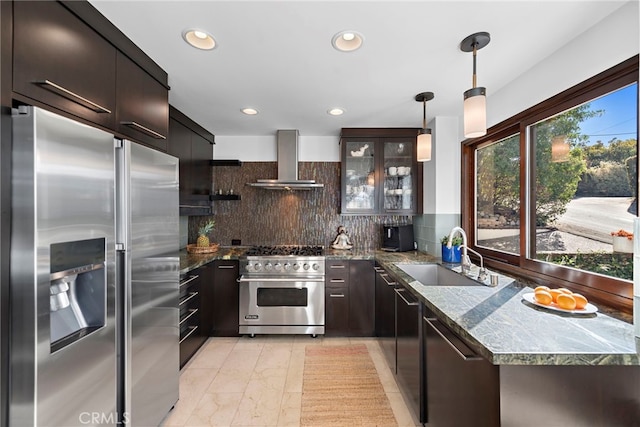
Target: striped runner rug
{"type": "Point", "coordinates": [341, 387]}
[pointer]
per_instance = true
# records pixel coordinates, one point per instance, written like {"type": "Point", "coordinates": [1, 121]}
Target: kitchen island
{"type": "Point", "coordinates": [508, 362]}
{"type": "Point", "coordinates": [507, 330]}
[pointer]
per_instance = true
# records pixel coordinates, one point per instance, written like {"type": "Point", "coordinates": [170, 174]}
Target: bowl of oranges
{"type": "Point", "coordinates": [560, 299]}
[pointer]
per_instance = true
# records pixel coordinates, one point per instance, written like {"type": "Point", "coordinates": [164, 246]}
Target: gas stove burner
{"type": "Point", "coordinates": [286, 250]}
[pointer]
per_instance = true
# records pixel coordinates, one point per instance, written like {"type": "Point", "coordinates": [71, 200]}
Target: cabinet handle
{"type": "Point", "coordinates": [191, 295]}
{"type": "Point", "coordinates": [336, 266]}
{"type": "Point", "coordinates": [399, 292]}
{"type": "Point", "coordinates": [143, 129]}
{"type": "Point", "coordinates": [432, 323]}
{"type": "Point", "coordinates": [384, 277]}
{"type": "Point", "coordinates": [72, 96]}
{"type": "Point", "coordinates": [224, 267]}
{"type": "Point", "coordinates": [190, 279]}
{"type": "Point", "coordinates": [336, 295]}
{"type": "Point", "coordinates": [192, 311]}
{"type": "Point", "coordinates": [336, 280]}
{"type": "Point", "coordinates": [193, 329]}
{"type": "Point", "coordinates": [378, 269]}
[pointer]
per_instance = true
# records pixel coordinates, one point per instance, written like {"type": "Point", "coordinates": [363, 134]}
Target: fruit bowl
{"type": "Point", "coordinates": [588, 309]}
{"type": "Point", "coordinates": [195, 249]}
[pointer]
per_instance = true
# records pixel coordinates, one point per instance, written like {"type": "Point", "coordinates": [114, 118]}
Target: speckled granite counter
{"type": "Point", "coordinates": [190, 262]}
{"type": "Point", "coordinates": [509, 331]}
{"type": "Point", "coordinates": [382, 256]}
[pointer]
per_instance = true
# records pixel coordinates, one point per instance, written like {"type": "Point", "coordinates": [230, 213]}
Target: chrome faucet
{"type": "Point", "coordinates": [482, 273]}
{"type": "Point", "coordinates": [465, 262]}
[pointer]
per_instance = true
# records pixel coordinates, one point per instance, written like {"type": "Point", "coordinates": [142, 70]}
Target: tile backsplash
{"type": "Point", "coordinates": [274, 217]}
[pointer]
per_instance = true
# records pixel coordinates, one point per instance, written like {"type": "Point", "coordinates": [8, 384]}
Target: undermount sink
{"type": "Point", "coordinates": [436, 275]}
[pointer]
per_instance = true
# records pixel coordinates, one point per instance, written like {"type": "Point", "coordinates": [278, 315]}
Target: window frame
{"type": "Point", "coordinates": [613, 292]}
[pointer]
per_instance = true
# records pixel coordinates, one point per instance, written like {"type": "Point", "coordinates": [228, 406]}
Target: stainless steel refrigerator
{"type": "Point", "coordinates": [94, 277]}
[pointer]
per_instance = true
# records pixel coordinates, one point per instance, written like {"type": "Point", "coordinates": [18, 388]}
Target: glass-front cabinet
{"type": "Point", "coordinates": [379, 173]}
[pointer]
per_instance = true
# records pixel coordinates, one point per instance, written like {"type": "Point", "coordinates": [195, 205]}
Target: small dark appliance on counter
{"type": "Point", "coordinates": [397, 238]}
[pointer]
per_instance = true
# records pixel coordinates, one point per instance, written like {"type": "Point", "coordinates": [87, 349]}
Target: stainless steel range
{"type": "Point", "coordinates": [282, 290]}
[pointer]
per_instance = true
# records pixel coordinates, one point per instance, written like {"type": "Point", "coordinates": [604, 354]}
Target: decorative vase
{"type": "Point", "coordinates": [452, 254]}
{"type": "Point", "coordinates": [622, 244]}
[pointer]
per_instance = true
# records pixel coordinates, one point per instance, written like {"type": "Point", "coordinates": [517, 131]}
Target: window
{"type": "Point", "coordinates": [552, 192]}
{"type": "Point", "coordinates": [498, 195]}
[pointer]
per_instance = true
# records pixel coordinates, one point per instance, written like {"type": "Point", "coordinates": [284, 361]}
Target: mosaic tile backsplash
{"type": "Point", "coordinates": [272, 217]}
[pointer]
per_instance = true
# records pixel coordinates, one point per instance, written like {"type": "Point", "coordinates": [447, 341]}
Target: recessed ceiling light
{"type": "Point", "coordinates": [336, 111]}
{"type": "Point", "coordinates": [249, 111]}
{"type": "Point", "coordinates": [199, 39]}
{"type": "Point", "coordinates": [347, 41]}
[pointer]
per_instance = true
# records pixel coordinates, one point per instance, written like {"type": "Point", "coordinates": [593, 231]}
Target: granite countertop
{"type": "Point", "coordinates": [507, 330]}
{"type": "Point", "coordinates": [498, 323]}
{"type": "Point", "coordinates": [190, 262]}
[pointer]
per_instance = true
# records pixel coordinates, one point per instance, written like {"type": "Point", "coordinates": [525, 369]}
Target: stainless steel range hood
{"type": "Point", "coordinates": [287, 141]}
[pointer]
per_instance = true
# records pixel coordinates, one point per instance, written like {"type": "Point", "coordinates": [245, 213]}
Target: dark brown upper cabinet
{"type": "Point", "coordinates": [380, 173]}
{"type": "Point", "coordinates": [68, 56]}
{"type": "Point", "coordinates": [192, 145]}
{"type": "Point", "coordinates": [62, 62]}
{"type": "Point", "coordinates": [142, 104]}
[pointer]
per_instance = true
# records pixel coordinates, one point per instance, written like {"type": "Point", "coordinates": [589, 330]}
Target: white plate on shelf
{"type": "Point", "coordinates": [589, 309]}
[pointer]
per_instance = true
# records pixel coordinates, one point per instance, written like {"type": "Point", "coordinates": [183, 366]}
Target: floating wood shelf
{"type": "Point", "coordinates": [230, 162]}
{"type": "Point", "coordinates": [224, 197]}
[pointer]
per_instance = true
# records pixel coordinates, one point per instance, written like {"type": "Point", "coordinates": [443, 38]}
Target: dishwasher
{"type": "Point", "coordinates": [462, 388]}
{"type": "Point", "coordinates": [409, 350]}
{"type": "Point", "coordinates": [385, 301]}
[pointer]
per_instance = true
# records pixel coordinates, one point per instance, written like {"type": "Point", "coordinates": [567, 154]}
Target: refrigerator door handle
{"type": "Point", "coordinates": [122, 202]}
{"type": "Point", "coordinates": [123, 311]}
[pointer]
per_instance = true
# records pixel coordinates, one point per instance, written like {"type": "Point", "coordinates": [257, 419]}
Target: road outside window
{"type": "Point", "coordinates": [583, 170]}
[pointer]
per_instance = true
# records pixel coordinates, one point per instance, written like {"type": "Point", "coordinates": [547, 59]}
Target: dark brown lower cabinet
{"type": "Point", "coordinates": [225, 297]}
{"type": "Point", "coordinates": [192, 298]}
{"type": "Point", "coordinates": [349, 298]}
{"type": "Point", "coordinates": [362, 289]}
{"type": "Point", "coordinates": [336, 311]}
{"type": "Point", "coordinates": [462, 388]}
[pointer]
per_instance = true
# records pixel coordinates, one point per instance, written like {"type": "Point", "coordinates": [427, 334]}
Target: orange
{"type": "Point", "coordinates": [566, 301]}
{"type": "Point", "coordinates": [565, 291]}
{"type": "Point", "coordinates": [554, 293]}
{"type": "Point", "coordinates": [543, 297]}
{"type": "Point", "coordinates": [581, 301]}
{"type": "Point", "coordinates": [545, 288]}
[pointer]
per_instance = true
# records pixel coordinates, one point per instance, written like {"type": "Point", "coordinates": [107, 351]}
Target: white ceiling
{"type": "Point", "coordinates": [276, 56]}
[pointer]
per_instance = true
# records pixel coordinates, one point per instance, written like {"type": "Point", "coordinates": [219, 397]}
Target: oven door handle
{"type": "Point", "coordinates": [242, 279]}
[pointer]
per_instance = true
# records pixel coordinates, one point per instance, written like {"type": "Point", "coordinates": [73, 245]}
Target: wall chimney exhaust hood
{"type": "Point", "coordinates": [287, 142]}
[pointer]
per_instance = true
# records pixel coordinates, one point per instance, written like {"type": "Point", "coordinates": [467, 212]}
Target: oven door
{"type": "Point", "coordinates": [281, 305]}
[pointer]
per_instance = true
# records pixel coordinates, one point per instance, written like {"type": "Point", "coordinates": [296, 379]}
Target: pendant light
{"type": "Point", "coordinates": [475, 99]}
{"type": "Point", "coordinates": [424, 134]}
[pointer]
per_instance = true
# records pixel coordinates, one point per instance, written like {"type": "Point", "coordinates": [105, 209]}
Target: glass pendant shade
{"type": "Point", "coordinates": [424, 145]}
{"type": "Point", "coordinates": [424, 135]}
{"type": "Point", "coordinates": [475, 99]}
{"type": "Point", "coordinates": [475, 112]}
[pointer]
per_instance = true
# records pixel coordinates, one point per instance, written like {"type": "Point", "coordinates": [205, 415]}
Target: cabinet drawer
{"type": "Point", "coordinates": [188, 300]}
{"type": "Point", "coordinates": [142, 105]}
{"type": "Point", "coordinates": [60, 61]}
{"type": "Point", "coordinates": [187, 320]}
{"type": "Point", "coordinates": [337, 272]}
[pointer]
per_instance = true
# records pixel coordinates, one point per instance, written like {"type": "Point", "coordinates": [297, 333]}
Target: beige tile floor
{"type": "Point", "coordinates": [258, 382]}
